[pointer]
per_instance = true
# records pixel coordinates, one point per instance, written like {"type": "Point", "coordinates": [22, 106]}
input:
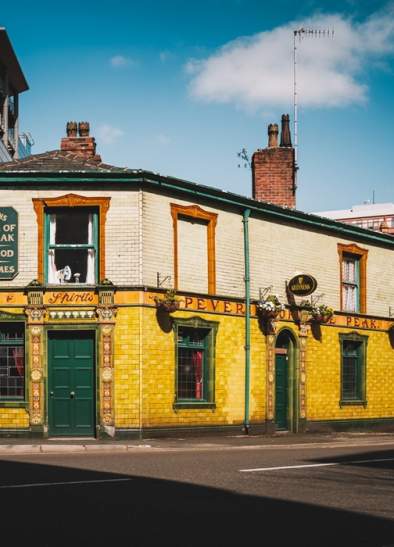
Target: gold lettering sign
{"type": "Point", "coordinates": [61, 298]}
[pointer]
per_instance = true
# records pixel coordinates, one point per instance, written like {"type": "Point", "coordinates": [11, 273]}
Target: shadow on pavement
{"type": "Point", "coordinates": [145, 511]}
{"type": "Point", "coordinates": [380, 459]}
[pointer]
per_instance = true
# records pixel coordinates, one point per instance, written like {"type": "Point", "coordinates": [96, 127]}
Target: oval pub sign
{"type": "Point", "coordinates": [8, 243]}
{"type": "Point", "coordinates": [302, 285]}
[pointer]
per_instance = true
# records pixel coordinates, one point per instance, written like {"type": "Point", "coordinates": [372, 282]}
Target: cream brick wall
{"type": "Point", "coordinates": [277, 253]}
{"type": "Point", "coordinates": [192, 259]}
{"type": "Point", "coordinates": [158, 244]}
{"type": "Point", "coordinates": [122, 241]}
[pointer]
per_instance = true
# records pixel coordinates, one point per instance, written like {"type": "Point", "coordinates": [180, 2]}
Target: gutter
{"type": "Point", "coordinates": [245, 221]}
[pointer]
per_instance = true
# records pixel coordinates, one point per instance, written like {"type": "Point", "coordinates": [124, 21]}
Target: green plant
{"type": "Point", "coordinates": [168, 302]}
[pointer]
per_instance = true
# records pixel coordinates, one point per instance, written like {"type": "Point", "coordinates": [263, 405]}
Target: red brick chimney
{"type": "Point", "coordinates": [79, 141]}
{"type": "Point", "coordinates": [274, 169]}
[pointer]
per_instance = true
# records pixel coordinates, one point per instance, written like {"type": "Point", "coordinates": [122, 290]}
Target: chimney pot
{"type": "Point", "coordinates": [71, 129]}
{"type": "Point", "coordinates": [83, 129]}
{"type": "Point", "coordinates": [273, 132]}
{"type": "Point", "coordinates": [285, 137]}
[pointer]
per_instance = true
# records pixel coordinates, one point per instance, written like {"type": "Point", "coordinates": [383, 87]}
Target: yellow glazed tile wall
{"type": "Point", "coordinates": [126, 368]}
{"type": "Point", "coordinates": [13, 418]}
{"type": "Point", "coordinates": [159, 374]}
{"type": "Point", "coordinates": [323, 377]}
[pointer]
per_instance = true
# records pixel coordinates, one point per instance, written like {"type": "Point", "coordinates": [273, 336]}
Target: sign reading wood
{"type": "Point", "coordinates": [302, 285]}
{"type": "Point", "coordinates": [8, 243]}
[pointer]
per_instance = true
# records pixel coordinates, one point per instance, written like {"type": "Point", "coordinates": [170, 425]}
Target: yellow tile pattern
{"type": "Point", "coordinates": [323, 377]}
{"type": "Point", "coordinates": [13, 418]}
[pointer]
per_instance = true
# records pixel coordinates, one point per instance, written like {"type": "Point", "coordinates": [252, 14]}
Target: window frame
{"type": "Point", "coordinates": [195, 212]}
{"type": "Point", "coordinates": [71, 246]}
{"type": "Point", "coordinates": [209, 362]}
{"type": "Point", "coordinates": [361, 256]}
{"type": "Point", "coordinates": [43, 205]}
{"type": "Point", "coordinates": [360, 398]}
{"type": "Point", "coordinates": [13, 401]}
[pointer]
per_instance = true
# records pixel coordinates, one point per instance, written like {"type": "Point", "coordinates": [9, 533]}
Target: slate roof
{"type": "Point", "coordinates": [61, 162]}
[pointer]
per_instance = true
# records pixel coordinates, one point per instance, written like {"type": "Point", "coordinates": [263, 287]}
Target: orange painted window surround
{"type": "Point", "coordinates": [196, 212]}
{"type": "Point", "coordinates": [70, 200]}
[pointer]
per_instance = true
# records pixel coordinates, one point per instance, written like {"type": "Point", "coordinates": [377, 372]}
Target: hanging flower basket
{"type": "Point", "coordinates": [322, 313]}
{"type": "Point", "coordinates": [168, 303]}
{"type": "Point", "coordinates": [269, 308]}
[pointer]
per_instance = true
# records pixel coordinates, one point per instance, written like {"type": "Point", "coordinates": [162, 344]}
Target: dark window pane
{"type": "Point", "coordinates": [72, 227]}
{"type": "Point", "coordinates": [190, 373]}
{"type": "Point", "coordinates": [12, 361]}
{"type": "Point", "coordinates": [349, 381]}
{"type": "Point", "coordinates": [77, 262]}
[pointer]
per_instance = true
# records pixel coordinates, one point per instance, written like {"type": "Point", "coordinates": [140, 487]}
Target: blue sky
{"type": "Point", "coordinates": [179, 88]}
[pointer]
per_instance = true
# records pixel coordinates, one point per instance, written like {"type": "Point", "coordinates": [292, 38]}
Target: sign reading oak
{"type": "Point", "coordinates": [302, 285]}
{"type": "Point", "coordinates": [8, 243]}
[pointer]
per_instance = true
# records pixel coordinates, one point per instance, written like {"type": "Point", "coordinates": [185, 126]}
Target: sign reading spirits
{"type": "Point", "coordinates": [8, 243]}
{"type": "Point", "coordinates": [302, 285]}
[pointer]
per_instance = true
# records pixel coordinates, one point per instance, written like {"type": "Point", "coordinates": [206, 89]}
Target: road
{"type": "Point", "coordinates": [190, 493]}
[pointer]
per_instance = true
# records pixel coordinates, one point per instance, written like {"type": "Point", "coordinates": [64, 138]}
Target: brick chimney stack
{"type": "Point", "coordinates": [273, 168]}
{"type": "Point", "coordinates": [79, 141]}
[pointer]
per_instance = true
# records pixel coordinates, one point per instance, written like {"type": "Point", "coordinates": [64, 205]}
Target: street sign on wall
{"type": "Point", "coordinates": [8, 243]}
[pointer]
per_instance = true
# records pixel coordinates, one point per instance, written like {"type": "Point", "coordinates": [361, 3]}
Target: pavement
{"type": "Point", "coordinates": [18, 446]}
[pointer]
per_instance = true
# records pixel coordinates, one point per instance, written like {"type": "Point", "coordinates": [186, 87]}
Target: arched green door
{"type": "Point", "coordinates": [281, 391]}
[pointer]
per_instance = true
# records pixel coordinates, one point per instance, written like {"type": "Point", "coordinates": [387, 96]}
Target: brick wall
{"type": "Point", "coordinates": [122, 241]}
{"type": "Point", "coordinates": [273, 176]}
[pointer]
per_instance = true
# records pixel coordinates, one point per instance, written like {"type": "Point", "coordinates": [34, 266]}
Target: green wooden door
{"type": "Point", "coordinates": [71, 405]}
{"type": "Point", "coordinates": [281, 391]}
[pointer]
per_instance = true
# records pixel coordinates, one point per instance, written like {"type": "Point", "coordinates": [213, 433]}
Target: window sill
{"type": "Point", "coordinates": [13, 404]}
{"type": "Point", "coordinates": [179, 405]}
{"type": "Point", "coordinates": [356, 402]}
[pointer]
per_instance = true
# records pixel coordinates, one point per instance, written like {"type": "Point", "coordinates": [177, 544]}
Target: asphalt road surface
{"type": "Point", "coordinates": [207, 493]}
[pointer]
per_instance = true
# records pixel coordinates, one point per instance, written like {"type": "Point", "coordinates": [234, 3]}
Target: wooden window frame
{"type": "Point", "coordinates": [209, 355]}
{"type": "Point", "coordinates": [196, 212]}
{"type": "Point", "coordinates": [10, 400]}
{"type": "Point", "coordinates": [361, 398]}
{"type": "Point", "coordinates": [71, 200]}
{"type": "Point", "coordinates": [361, 255]}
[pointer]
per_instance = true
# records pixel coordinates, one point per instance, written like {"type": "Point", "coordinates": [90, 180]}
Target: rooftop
{"type": "Point", "coordinates": [59, 161]}
{"type": "Point", "coordinates": [360, 211]}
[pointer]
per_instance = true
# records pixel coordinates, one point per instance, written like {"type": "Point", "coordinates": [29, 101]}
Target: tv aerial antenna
{"type": "Point", "coordinates": [300, 34]}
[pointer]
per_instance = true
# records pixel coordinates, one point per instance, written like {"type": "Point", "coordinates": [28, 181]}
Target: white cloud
{"type": "Point", "coordinates": [120, 61]}
{"type": "Point", "coordinates": [257, 71]}
{"type": "Point", "coordinates": [108, 134]}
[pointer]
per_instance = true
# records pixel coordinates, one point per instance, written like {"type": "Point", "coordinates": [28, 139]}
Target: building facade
{"type": "Point", "coordinates": [13, 144]}
{"type": "Point", "coordinates": [93, 341]}
{"type": "Point", "coordinates": [372, 216]}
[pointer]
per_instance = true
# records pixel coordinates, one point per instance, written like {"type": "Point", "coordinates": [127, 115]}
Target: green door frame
{"type": "Point", "coordinates": [293, 403]}
{"type": "Point", "coordinates": [94, 329]}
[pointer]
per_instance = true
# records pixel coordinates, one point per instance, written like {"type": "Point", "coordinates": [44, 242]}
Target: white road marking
{"type": "Point", "coordinates": [328, 464]}
{"type": "Point", "coordinates": [37, 484]}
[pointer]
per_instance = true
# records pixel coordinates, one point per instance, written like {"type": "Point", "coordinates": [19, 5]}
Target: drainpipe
{"type": "Point", "coordinates": [245, 221]}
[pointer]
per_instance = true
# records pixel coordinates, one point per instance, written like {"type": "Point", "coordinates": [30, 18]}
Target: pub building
{"type": "Point", "coordinates": [135, 304]}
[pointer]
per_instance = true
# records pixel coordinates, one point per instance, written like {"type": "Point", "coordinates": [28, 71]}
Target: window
{"type": "Point", "coordinates": [12, 361]}
{"type": "Point", "coordinates": [195, 362]}
{"type": "Point", "coordinates": [194, 248]}
{"type": "Point", "coordinates": [353, 272]}
{"type": "Point", "coordinates": [353, 356]}
{"type": "Point", "coordinates": [71, 239]}
{"type": "Point", "coordinates": [71, 246]}
{"type": "Point", "coordinates": [350, 283]}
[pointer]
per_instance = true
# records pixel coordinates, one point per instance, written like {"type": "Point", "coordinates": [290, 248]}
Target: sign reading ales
{"type": "Point", "coordinates": [8, 243]}
{"type": "Point", "coordinates": [302, 285]}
